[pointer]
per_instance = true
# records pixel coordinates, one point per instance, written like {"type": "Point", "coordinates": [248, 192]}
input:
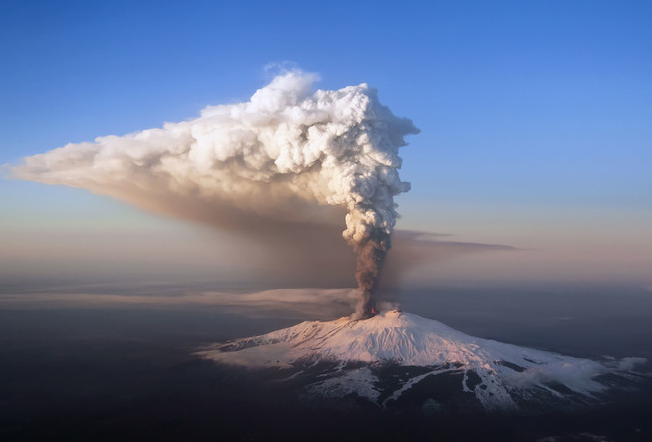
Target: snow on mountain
{"type": "Point", "coordinates": [499, 375]}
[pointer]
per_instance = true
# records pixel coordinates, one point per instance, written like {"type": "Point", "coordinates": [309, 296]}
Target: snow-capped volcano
{"type": "Point", "coordinates": [498, 375]}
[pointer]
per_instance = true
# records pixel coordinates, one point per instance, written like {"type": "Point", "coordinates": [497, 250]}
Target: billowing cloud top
{"type": "Point", "coordinates": [287, 156]}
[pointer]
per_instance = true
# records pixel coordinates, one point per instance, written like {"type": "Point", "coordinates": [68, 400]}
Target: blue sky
{"type": "Point", "coordinates": [535, 116]}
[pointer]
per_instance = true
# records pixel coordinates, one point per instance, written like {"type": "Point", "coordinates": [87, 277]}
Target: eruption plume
{"type": "Point", "coordinates": [284, 159]}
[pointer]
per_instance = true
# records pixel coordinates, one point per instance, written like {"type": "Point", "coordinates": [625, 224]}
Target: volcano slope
{"type": "Point", "coordinates": [396, 358]}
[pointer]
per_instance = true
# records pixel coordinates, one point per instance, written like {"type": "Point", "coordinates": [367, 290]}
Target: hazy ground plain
{"type": "Point", "coordinates": [80, 370]}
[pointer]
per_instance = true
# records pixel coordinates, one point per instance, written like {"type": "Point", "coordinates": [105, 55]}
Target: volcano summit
{"type": "Point", "coordinates": [395, 356]}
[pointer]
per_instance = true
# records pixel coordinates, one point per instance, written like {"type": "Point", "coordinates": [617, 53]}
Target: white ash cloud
{"type": "Point", "coordinates": [287, 157]}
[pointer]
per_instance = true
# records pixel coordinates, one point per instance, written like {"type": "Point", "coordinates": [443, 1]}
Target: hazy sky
{"type": "Point", "coordinates": [534, 116]}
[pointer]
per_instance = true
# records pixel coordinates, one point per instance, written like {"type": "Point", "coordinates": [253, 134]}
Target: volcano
{"type": "Point", "coordinates": [395, 357]}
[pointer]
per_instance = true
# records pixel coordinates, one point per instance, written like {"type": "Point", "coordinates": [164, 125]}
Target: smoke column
{"type": "Point", "coordinates": [288, 157]}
